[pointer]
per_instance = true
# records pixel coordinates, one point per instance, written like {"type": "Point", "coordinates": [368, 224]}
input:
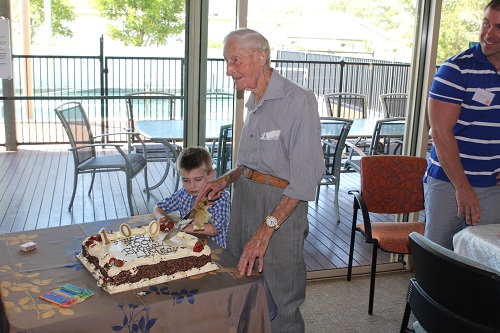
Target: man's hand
{"type": "Point", "coordinates": [468, 205]}
{"type": "Point", "coordinates": [255, 248]}
{"type": "Point", "coordinates": [213, 189]}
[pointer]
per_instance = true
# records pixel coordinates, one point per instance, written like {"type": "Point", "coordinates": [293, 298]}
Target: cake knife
{"type": "Point", "coordinates": [180, 226]}
{"type": "Point", "coordinates": [183, 223]}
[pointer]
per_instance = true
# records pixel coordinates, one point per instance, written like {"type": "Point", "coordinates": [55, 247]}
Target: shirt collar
{"type": "Point", "coordinates": [274, 90]}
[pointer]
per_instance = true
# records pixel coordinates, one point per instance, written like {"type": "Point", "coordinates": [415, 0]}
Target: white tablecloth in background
{"type": "Point", "coordinates": [480, 243]}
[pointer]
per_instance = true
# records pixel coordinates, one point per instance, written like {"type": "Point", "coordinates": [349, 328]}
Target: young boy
{"type": "Point", "coordinates": [195, 168]}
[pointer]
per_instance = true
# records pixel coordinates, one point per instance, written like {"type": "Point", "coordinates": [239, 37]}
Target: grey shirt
{"type": "Point", "coordinates": [282, 137]}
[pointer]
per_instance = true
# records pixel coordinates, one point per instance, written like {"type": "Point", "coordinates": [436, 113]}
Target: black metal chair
{"type": "Point", "coordinates": [334, 133]}
{"type": "Point", "coordinates": [224, 150]}
{"type": "Point", "coordinates": [450, 293]}
{"type": "Point", "coordinates": [387, 139]}
{"type": "Point", "coordinates": [162, 105]}
{"type": "Point", "coordinates": [83, 146]}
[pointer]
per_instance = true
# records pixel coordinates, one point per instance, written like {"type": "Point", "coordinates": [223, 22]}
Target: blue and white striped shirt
{"type": "Point", "coordinates": [477, 130]}
{"type": "Point", "coordinates": [183, 202]}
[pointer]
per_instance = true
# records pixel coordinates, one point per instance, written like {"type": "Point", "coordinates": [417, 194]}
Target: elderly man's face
{"type": "Point", "coordinates": [242, 65]}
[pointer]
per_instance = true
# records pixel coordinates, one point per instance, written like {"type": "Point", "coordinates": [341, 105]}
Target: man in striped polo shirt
{"type": "Point", "coordinates": [462, 177]}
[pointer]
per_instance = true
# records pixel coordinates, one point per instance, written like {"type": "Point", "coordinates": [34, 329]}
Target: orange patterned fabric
{"type": "Point", "coordinates": [393, 236]}
{"type": "Point", "coordinates": [392, 184]}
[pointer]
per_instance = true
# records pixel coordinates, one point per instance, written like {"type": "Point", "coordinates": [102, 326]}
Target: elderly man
{"type": "Point", "coordinates": [280, 162]}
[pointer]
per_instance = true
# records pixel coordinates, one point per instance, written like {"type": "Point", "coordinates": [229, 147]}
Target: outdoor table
{"type": "Point", "coordinates": [173, 130]}
{"type": "Point", "coordinates": [166, 131]}
{"type": "Point", "coordinates": [480, 243]}
{"type": "Point", "coordinates": [362, 128]}
{"type": "Point", "coordinates": [217, 301]}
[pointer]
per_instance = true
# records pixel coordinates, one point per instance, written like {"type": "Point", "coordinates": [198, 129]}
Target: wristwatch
{"type": "Point", "coordinates": [272, 222]}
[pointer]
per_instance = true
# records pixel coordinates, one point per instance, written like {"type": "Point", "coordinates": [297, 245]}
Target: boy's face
{"type": "Point", "coordinates": [194, 181]}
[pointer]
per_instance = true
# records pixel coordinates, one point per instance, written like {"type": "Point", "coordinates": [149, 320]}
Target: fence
{"type": "Point", "coordinates": [101, 84]}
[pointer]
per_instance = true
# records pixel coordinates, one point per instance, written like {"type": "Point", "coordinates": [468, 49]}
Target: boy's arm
{"type": "Point", "coordinates": [167, 206]}
{"type": "Point", "coordinates": [219, 215]}
{"type": "Point", "coordinates": [160, 215]}
{"type": "Point", "coordinates": [209, 230]}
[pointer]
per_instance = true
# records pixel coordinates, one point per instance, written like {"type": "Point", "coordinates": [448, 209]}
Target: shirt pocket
{"type": "Point", "coordinates": [270, 154]}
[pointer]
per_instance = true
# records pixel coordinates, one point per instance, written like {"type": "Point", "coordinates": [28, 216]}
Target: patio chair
{"type": "Point", "coordinates": [390, 184]}
{"type": "Point", "coordinates": [387, 139]}
{"type": "Point", "coordinates": [450, 293]}
{"type": "Point", "coordinates": [393, 105]}
{"type": "Point", "coordinates": [346, 105]}
{"type": "Point", "coordinates": [334, 133]}
{"type": "Point", "coordinates": [223, 160]}
{"type": "Point", "coordinates": [83, 146]}
{"type": "Point", "coordinates": [153, 102]}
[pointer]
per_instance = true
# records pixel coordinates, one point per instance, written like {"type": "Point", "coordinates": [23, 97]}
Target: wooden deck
{"type": "Point", "coordinates": [36, 184]}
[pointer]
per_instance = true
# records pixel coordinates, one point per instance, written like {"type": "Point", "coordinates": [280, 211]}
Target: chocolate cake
{"type": "Point", "coordinates": [139, 257]}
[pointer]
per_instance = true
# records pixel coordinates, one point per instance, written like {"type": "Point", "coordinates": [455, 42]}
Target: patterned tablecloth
{"type": "Point", "coordinates": [218, 301]}
{"type": "Point", "coordinates": [480, 243]}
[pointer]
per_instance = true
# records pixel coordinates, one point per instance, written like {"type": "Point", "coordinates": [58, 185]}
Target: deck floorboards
{"type": "Point", "coordinates": [36, 184]}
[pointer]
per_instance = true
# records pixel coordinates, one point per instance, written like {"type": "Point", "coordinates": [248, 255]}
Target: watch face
{"type": "Point", "coordinates": [271, 221]}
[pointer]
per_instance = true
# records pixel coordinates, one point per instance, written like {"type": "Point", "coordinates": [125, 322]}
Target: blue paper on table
{"type": "Point", "coordinates": [67, 295]}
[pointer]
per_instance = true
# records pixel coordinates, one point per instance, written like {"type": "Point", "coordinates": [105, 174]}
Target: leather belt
{"type": "Point", "coordinates": [265, 179]}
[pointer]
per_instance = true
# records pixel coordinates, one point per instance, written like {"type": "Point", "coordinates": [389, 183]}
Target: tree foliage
{"type": "Point", "coordinates": [142, 22]}
{"type": "Point", "coordinates": [62, 13]}
{"type": "Point", "coordinates": [460, 20]}
{"type": "Point", "coordinates": [460, 23]}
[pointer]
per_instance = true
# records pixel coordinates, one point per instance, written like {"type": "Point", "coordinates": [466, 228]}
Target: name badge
{"type": "Point", "coordinates": [484, 97]}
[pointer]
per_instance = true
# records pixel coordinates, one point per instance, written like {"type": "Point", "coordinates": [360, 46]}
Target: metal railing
{"type": "Point", "coordinates": [102, 83]}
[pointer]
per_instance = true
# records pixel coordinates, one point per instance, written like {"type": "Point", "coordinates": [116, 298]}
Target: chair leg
{"type": "Point", "coordinates": [372, 278]}
{"type": "Point", "coordinates": [317, 193]}
{"type": "Point", "coordinates": [337, 201]}
{"type": "Point", "coordinates": [75, 183]}
{"type": "Point", "coordinates": [351, 248]}
{"type": "Point", "coordinates": [146, 181]}
{"type": "Point", "coordinates": [91, 183]}
{"type": "Point", "coordinates": [406, 319]}
{"type": "Point", "coordinates": [129, 195]}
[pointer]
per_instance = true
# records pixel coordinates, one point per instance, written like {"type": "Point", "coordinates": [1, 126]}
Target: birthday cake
{"type": "Point", "coordinates": [138, 257]}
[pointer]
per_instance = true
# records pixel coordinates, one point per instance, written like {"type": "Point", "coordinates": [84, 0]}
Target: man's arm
{"type": "Point", "coordinates": [443, 116]}
{"type": "Point", "coordinates": [215, 187]}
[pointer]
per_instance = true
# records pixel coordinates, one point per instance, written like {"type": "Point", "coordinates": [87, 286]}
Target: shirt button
{"type": "Point", "coordinates": [251, 135]}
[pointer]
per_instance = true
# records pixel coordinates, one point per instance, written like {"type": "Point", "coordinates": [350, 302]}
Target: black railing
{"type": "Point", "coordinates": [101, 84]}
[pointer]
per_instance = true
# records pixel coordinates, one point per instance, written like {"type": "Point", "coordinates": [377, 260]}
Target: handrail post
{"type": "Point", "coordinates": [342, 65]}
{"type": "Point", "coordinates": [104, 89]}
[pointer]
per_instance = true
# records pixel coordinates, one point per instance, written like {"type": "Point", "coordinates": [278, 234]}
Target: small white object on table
{"type": "Point", "coordinates": [480, 243]}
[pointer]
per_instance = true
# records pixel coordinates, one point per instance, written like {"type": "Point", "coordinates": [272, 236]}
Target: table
{"type": "Point", "coordinates": [165, 131]}
{"type": "Point", "coordinates": [174, 129]}
{"type": "Point", "coordinates": [362, 128]}
{"type": "Point", "coordinates": [218, 301]}
{"type": "Point", "coordinates": [480, 243]}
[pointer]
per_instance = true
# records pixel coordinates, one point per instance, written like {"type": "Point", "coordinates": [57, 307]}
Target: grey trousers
{"type": "Point", "coordinates": [441, 210]}
{"type": "Point", "coordinates": [284, 266]}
